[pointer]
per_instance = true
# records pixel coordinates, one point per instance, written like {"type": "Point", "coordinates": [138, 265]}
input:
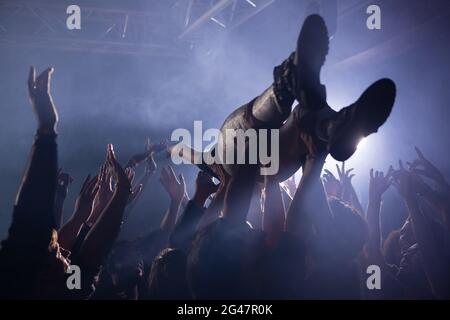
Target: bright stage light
{"type": "Point", "coordinates": [361, 143]}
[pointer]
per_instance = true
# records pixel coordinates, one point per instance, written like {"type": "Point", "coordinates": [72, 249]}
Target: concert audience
{"type": "Point", "coordinates": [311, 241]}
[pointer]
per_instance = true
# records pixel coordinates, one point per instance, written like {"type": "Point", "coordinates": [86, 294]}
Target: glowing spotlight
{"type": "Point", "coordinates": [361, 143]}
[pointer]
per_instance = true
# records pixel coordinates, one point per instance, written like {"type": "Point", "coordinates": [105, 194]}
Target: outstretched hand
{"type": "Point", "coordinates": [85, 199]}
{"type": "Point", "coordinates": [175, 187]}
{"type": "Point", "coordinates": [345, 176]}
{"type": "Point", "coordinates": [379, 183]}
{"type": "Point", "coordinates": [331, 184]}
{"type": "Point", "coordinates": [120, 176]}
{"type": "Point", "coordinates": [408, 182]}
{"type": "Point", "coordinates": [136, 190]}
{"type": "Point", "coordinates": [149, 151]}
{"type": "Point", "coordinates": [41, 100]}
{"type": "Point", "coordinates": [103, 187]}
{"type": "Point", "coordinates": [422, 166]}
{"type": "Point", "coordinates": [204, 187]}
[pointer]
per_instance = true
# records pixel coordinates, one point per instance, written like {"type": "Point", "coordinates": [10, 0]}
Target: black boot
{"type": "Point", "coordinates": [312, 49]}
{"type": "Point", "coordinates": [298, 77]}
{"type": "Point", "coordinates": [343, 130]}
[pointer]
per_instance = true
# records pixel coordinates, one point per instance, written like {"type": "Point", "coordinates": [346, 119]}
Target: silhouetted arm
{"type": "Point", "coordinates": [34, 211]}
{"type": "Point", "coordinates": [67, 235]}
{"type": "Point", "coordinates": [435, 265]}
{"type": "Point", "coordinates": [310, 206]}
{"type": "Point", "coordinates": [378, 184]}
{"type": "Point", "coordinates": [186, 226]}
{"type": "Point", "coordinates": [434, 262]}
{"type": "Point", "coordinates": [104, 232]}
{"type": "Point", "coordinates": [273, 214]}
{"type": "Point", "coordinates": [176, 188]}
{"type": "Point", "coordinates": [238, 195]}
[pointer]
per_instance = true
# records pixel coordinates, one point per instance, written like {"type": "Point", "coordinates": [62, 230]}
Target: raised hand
{"type": "Point", "coordinates": [41, 100]}
{"type": "Point", "coordinates": [407, 182]}
{"type": "Point", "coordinates": [101, 237]}
{"type": "Point", "coordinates": [63, 183]}
{"type": "Point", "coordinates": [83, 207]}
{"type": "Point", "coordinates": [117, 172]}
{"type": "Point", "coordinates": [214, 209]}
{"type": "Point", "coordinates": [379, 183]}
{"type": "Point", "coordinates": [150, 149]}
{"type": "Point", "coordinates": [137, 189]}
{"type": "Point", "coordinates": [402, 180]}
{"type": "Point", "coordinates": [435, 264]}
{"type": "Point", "coordinates": [345, 176]}
{"type": "Point", "coordinates": [106, 184]}
{"type": "Point", "coordinates": [422, 166]}
{"type": "Point", "coordinates": [331, 184]}
{"type": "Point", "coordinates": [85, 199]}
{"type": "Point", "coordinates": [204, 187]}
{"type": "Point", "coordinates": [175, 187]}
{"type": "Point", "coordinates": [104, 188]}
{"type": "Point", "coordinates": [346, 192]}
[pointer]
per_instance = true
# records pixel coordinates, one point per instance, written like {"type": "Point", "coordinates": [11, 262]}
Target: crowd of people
{"type": "Point", "coordinates": [311, 241]}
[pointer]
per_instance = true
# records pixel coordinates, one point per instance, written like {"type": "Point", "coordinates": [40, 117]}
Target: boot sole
{"type": "Point", "coordinates": [311, 51]}
{"type": "Point", "coordinates": [372, 110]}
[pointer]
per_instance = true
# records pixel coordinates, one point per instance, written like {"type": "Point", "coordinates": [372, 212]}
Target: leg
{"type": "Point", "coordinates": [298, 77]}
{"type": "Point", "coordinates": [343, 130]}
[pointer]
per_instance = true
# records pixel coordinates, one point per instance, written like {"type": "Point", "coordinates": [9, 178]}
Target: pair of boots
{"type": "Point", "coordinates": [298, 78]}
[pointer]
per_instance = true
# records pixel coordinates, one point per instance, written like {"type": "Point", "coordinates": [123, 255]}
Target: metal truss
{"type": "Point", "coordinates": [43, 24]}
{"type": "Point", "coordinates": [168, 28]}
{"type": "Point", "coordinates": [36, 23]}
{"type": "Point", "coordinates": [226, 14]}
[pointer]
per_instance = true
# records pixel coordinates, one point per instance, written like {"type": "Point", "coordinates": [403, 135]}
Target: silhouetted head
{"type": "Point", "coordinates": [167, 279]}
{"type": "Point", "coordinates": [125, 265]}
{"type": "Point", "coordinates": [51, 280]}
{"type": "Point", "coordinates": [218, 258]}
